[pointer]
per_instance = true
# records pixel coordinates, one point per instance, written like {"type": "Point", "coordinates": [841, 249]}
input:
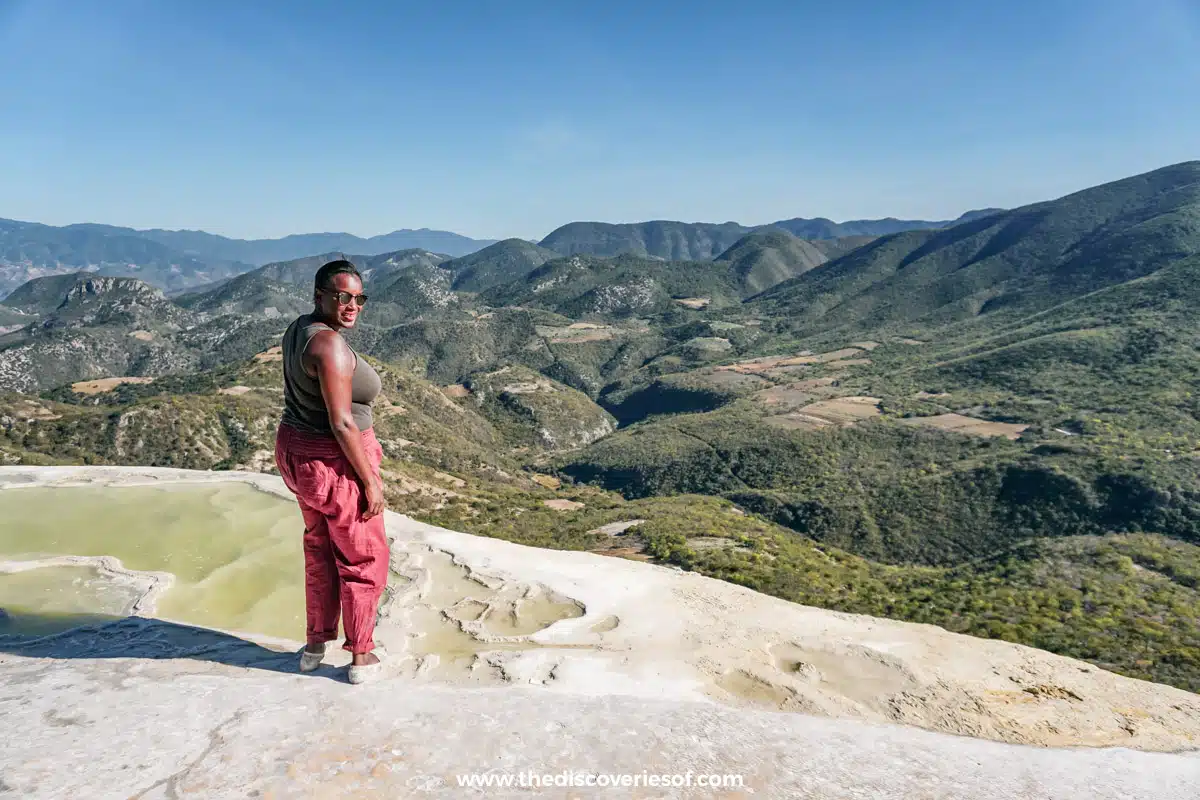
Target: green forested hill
{"type": "Point", "coordinates": [502, 262]}
{"type": "Point", "coordinates": [45, 294]}
{"type": "Point", "coordinates": [250, 293]}
{"type": "Point", "coordinates": [764, 258]}
{"type": "Point", "coordinates": [589, 286]}
{"type": "Point", "coordinates": [821, 228]}
{"type": "Point", "coordinates": [698, 241]}
{"type": "Point", "coordinates": [675, 241]}
{"type": "Point", "coordinates": [1017, 261]}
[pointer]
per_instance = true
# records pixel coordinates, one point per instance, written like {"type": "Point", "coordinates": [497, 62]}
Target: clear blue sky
{"type": "Point", "coordinates": [498, 119]}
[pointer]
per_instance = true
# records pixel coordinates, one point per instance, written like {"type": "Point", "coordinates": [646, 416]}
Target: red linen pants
{"type": "Point", "coordinates": [345, 556]}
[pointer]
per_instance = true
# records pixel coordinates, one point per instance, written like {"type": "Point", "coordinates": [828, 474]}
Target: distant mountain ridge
{"type": "Point", "coordinates": [821, 228]}
{"type": "Point", "coordinates": [210, 246]}
{"type": "Point", "coordinates": [185, 260]}
{"type": "Point", "coordinates": [697, 241]}
{"type": "Point", "coordinates": [264, 251]}
{"type": "Point", "coordinates": [178, 261]}
{"type": "Point", "coordinates": [31, 250]}
{"type": "Point", "coordinates": [666, 239]}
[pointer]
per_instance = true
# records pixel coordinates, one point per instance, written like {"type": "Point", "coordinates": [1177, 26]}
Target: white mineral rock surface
{"type": "Point", "coordinates": [509, 660]}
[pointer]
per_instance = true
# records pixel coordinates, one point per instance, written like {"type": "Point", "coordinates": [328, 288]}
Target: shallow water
{"type": "Point", "coordinates": [38, 602]}
{"type": "Point", "coordinates": [236, 554]}
{"type": "Point", "coordinates": [235, 551]}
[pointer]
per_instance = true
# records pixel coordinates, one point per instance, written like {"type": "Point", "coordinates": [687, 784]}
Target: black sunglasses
{"type": "Point", "coordinates": [344, 298]}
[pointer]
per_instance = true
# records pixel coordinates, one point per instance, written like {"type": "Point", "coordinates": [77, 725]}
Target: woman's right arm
{"type": "Point", "coordinates": [334, 363]}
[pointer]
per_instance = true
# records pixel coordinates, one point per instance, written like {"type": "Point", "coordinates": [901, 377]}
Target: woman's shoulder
{"type": "Point", "coordinates": [307, 325]}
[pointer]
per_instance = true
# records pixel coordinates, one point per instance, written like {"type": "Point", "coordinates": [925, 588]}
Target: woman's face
{"type": "Point", "coordinates": [328, 300]}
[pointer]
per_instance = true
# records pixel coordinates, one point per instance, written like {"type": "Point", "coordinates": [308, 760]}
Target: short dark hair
{"type": "Point", "coordinates": [339, 267]}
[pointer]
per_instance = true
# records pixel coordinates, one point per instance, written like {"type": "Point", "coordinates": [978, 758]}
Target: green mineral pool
{"type": "Point", "coordinates": [50, 599]}
{"type": "Point", "coordinates": [235, 551]}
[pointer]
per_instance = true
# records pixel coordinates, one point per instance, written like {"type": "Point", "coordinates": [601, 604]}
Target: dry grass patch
{"type": "Point", "coordinates": [783, 397]}
{"type": "Point", "coordinates": [453, 480]}
{"type": "Point", "coordinates": [839, 355]}
{"type": "Point", "coordinates": [619, 548]}
{"type": "Point", "coordinates": [797, 421]}
{"type": "Point", "coordinates": [713, 543]}
{"type": "Point", "coordinates": [270, 354]}
{"type": "Point", "coordinates": [456, 390]}
{"type": "Point", "coordinates": [834, 358]}
{"type": "Point", "coordinates": [546, 481]}
{"type": "Point", "coordinates": [577, 333]}
{"type": "Point", "coordinates": [562, 505]}
{"type": "Point", "coordinates": [588, 336]}
{"type": "Point", "coordinates": [32, 410]}
{"type": "Point", "coordinates": [968, 425]}
{"type": "Point", "coordinates": [405, 485]}
{"type": "Point", "coordinates": [759, 365]}
{"type": "Point", "coordinates": [696, 303]}
{"type": "Point", "coordinates": [788, 373]}
{"type": "Point", "coordinates": [734, 380]}
{"type": "Point", "coordinates": [843, 411]}
{"type": "Point", "coordinates": [850, 362]}
{"type": "Point", "coordinates": [384, 407]}
{"type": "Point", "coordinates": [105, 384]}
{"type": "Point", "coordinates": [617, 528]}
{"type": "Point", "coordinates": [825, 385]}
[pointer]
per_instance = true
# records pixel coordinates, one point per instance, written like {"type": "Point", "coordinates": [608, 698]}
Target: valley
{"type": "Point", "coordinates": [989, 425]}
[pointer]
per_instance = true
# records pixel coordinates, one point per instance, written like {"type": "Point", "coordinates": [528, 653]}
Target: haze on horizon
{"type": "Point", "coordinates": [266, 119]}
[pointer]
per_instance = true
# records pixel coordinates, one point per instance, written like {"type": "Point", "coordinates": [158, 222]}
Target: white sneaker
{"type": "Point", "coordinates": [310, 661]}
{"type": "Point", "coordinates": [368, 672]}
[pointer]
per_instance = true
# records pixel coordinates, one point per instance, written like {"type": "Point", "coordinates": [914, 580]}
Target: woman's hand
{"type": "Point", "coordinates": [375, 500]}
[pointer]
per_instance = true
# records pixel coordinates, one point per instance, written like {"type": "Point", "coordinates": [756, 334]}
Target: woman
{"type": "Point", "coordinates": [329, 458]}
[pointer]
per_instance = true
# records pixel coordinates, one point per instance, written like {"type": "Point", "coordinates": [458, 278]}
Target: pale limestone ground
{"type": "Point", "coordinates": [658, 670]}
{"type": "Point", "coordinates": [117, 728]}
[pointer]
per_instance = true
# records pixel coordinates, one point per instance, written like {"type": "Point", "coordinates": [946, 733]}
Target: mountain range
{"type": "Point", "coordinates": [1010, 262]}
{"type": "Point", "coordinates": [184, 260]}
{"type": "Point", "coordinates": [992, 426]}
{"type": "Point", "coordinates": [694, 241]}
{"type": "Point", "coordinates": [181, 260]}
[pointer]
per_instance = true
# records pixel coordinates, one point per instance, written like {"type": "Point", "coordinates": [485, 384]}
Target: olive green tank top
{"type": "Point", "coordinates": [303, 405]}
